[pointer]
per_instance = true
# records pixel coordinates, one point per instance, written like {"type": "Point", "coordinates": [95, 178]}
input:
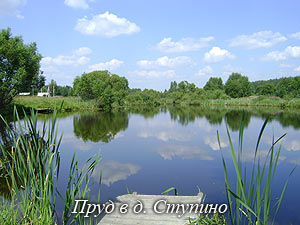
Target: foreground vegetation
{"type": "Point", "coordinates": [29, 163]}
{"type": "Point", "coordinates": [252, 200]}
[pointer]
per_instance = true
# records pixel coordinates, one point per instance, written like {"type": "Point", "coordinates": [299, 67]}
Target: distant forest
{"type": "Point", "coordinates": [112, 90]}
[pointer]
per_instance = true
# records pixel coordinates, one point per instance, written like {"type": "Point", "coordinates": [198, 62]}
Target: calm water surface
{"type": "Point", "coordinates": [151, 149]}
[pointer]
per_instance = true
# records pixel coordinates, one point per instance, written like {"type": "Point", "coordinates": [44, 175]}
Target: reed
{"type": "Point", "coordinates": [251, 201]}
{"type": "Point", "coordinates": [31, 169]}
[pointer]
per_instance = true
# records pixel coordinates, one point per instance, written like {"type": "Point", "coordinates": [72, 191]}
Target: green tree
{"type": "Point", "coordinates": [19, 66]}
{"type": "Point", "coordinates": [286, 87]}
{"type": "Point", "coordinates": [238, 86]}
{"type": "Point", "coordinates": [104, 87]}
{"type": "Point", "coordinates": [38, 83]}
{"type": "Point", "coordinates": [214, 83]}
{"type": "Point", "coordinates": [173, 86]}
{"type": "Point", "coordinates": [265, 89]}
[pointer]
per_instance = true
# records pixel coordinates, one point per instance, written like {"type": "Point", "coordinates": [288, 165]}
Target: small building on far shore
{"type": "Point", "coordinates": [24, 93]}
{"type": "Point", "coordinates": [43, 94]}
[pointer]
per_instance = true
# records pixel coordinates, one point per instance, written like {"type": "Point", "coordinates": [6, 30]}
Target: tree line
{"type": "Point", "coordinates": [20, 72]}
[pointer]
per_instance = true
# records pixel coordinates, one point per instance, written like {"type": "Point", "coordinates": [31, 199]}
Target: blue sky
{"type": "Point", "coordinates": [154, 42]}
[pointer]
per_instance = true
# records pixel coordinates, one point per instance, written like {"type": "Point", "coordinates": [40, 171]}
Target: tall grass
{"type": "Point", "coordinates": [31, 169]}
{"type": "Point", "coordinates": [66, 103]}
{"type": "Point", "coordinates": [251, 202]}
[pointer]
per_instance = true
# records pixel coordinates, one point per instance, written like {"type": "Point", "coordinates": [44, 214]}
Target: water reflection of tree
{"type": "Point", "coordinates": [100, 126]}
{"type": "Point", "coordinates": [184, 115]}
{"type": "Point", "coordinates": [289, 119]}
{"type": "Point", "coordinates": [146, 112]}
{"type": "Point", "coordinates": [234, 118]}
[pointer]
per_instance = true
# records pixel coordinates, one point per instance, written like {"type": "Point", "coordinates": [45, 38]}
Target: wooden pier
{"type": "Point", "coordinates": [157, 210]}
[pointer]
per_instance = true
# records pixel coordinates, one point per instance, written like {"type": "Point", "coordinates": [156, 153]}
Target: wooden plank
{"type": "Point", "coordinates": [152, 214]}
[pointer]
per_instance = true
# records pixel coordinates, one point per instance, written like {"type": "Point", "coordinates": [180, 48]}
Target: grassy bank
{"type": "Point", "coordinates": [66, 103]}
{"type": "Point", "coordinates": [77, 104]}
{"type": "Point", "coordinates": [258, 101]}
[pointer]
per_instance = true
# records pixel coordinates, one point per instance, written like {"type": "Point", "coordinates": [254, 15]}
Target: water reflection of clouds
{"type": "Point", "coordinates": [165, 135]}
{"type": "Point", "coordinates": [287, 142]}
{"type": "Point", "coordinates": [113, 171]}
{"type": "Point", "coordinates": [77, 144]}
{"type": "Point", "coordinates": [292, 145]}
{"type": "Point", "coordinates": [168, 152]}
{"type": "Point", "coordinates": [203, 124]}
{"type": "Point", "coordinates": [164, 130]}
{"type": "Point", "coordinates": [119, 135]}
{"type": "Point", "coordinates": [249, 154]}
{"type": "Point", "coordinates": [212, 141]}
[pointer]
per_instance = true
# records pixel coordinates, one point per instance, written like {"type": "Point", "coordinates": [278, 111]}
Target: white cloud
{"type": "Point", "coordinates": [110, 65]}
{"type": "Point", "coordinates": [77, 58]}
{"type": "Point", "coordinates": [206, 71]}
{"type": "Point", "coordinates": [113, 171]}
{"type": "Point", "coordinates": [295, 35]}
{"type": "Point", "coordinates": [286, 65]}
{"type": "Point", "coordinates": [217, 54]}
{"type": "Point", "coordinates": [262, 39]}
{"type": "Point", "coordinates": [82, 51]}
{"type": "Point", "coordinates": [10, 7]}
{"type": "Point", "coordinates": [297, 69]}
{"type": "Point", "coordinates": [289, 52]}
{"type": "Point", "coordinates": [165, 61]}
{"type": "Point", "coordinates": [183, 45]}
{"type": "Point", "coordinates": [154, 73]}
{"type": "Point", "coordinates": [106, 25]}
{"type": "Point", "coordinates": [77, 4]}
{"type": "Point", "coordinates": [185, 152]}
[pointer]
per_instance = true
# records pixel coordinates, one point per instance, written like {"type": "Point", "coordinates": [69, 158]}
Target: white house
{"type": "Point", "coordinates": [24, 93]}
{"type": "Point", "coordinates": [43, 94]}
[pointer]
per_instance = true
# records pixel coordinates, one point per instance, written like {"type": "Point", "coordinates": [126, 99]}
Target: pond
{"type": "Point", "coordinates": [149, 150]}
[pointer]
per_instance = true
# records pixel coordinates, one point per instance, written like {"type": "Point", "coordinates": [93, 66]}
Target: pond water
{"type": "Point", "coordinates": [149, 150]}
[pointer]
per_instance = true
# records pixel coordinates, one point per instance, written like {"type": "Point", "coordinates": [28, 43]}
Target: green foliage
{"type": "Point", "coordinates": [30, 166]}
{"type": "Point", "coordinates": [258, 83]}
{"type": "Point", "coordinates": [238, 86]}
{"type": "Point", "coordinates": [145, 97]}
{"type": "Point", "coordinates": [19, 67]}
{"type": "Point", "coordinates": [68, 103]}
{"type": "Point", "coordinates": [287, 87]}
{"type": "Point", "coordinates": [57, 90]}
{"type": "Point", "coordinates": [104, 87]}
{"type": "Point", "coordinates": [209, 219]}
{"type": "Point", "coordinates": [214, 83]}
{"type": "Point", "coordinates": [182, 87]}
{"type": "Point", "coordinates": [266, 89]}
{"type": "Point", "coordinates": [250, 202]}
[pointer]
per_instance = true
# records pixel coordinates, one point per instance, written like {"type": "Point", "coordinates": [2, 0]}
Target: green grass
{"type": "Point", "coordinates": [30, 165]}
{"type": "Point", "coordinates": [63, 103]}
{"type": "Point", "coordinates": [251, 201]}
{"type": "Point", "coordinates": [261, 101]}
{"type": "Point", "coordinates": [77, 104]}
